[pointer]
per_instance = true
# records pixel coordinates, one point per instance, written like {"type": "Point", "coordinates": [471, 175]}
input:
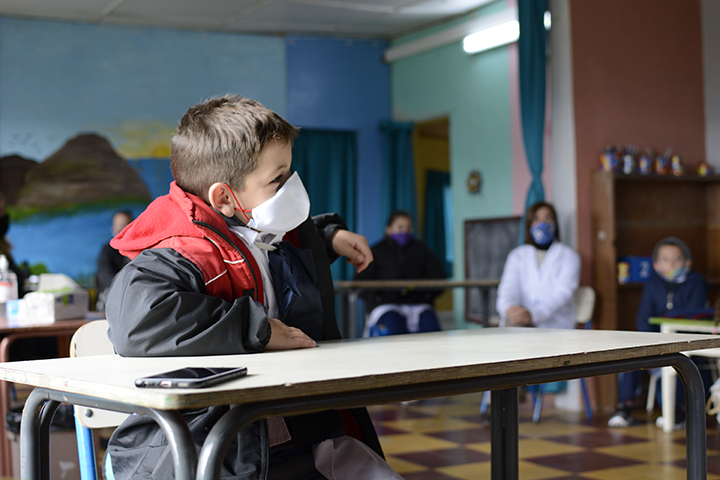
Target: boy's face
{"type": "Point", "coordinates": [262, 184]}
{"type": "Point", "coordinates": [670, 258]}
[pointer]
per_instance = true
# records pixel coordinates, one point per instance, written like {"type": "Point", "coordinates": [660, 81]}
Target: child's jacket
{"type": "Point", "coordinates": [193, 288]}
{"type": "Point", "coordinates": [655, 300]}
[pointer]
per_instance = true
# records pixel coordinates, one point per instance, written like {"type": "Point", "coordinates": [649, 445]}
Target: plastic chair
{"type": "Point", "coordinates": [91, 339]}
{"type": "Point", "coordinates": [584, 299]}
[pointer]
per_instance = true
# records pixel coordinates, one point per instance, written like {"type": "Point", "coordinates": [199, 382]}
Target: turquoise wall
{"type": "Point", "coordinates": [473, 91]}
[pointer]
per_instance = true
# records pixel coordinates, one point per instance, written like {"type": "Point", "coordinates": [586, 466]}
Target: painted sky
{"type": "Point", "coordinates": [130, 84]}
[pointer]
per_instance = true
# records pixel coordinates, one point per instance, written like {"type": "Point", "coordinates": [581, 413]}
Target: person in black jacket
{"type": "Point", "coordinates": [400, 256]}
{"type": "Point", "coordinates": [110, 261]}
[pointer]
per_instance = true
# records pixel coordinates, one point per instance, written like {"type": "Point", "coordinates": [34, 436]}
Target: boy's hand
{"type": "Point", "coordinates": [284, 337]}
{"type": "Point", "coordinates": [353, 246]}
{"type": "Point", "coordinates": [518, 316]}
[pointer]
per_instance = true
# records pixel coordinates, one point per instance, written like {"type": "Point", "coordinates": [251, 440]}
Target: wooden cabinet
{"type": "Point", "coordinates": [630, 214]}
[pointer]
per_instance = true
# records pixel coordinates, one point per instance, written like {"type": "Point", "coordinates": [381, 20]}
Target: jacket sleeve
{"type": "Point", "coordinates": [652, 293]}
{"type": "Point", "coordinates": [326, 224]}
{"type": "Point", "coordinates": [564, 285]}
{"type": "Point", "coordinates": [157, 306]}
{"type": "Point", "coordinates": [509, 292]}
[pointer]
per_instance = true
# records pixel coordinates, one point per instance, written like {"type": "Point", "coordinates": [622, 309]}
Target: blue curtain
{"type": "Point", "coordinates": [398, 176]}
{"type": "Point", "coordinates": [434, 233]}
{"type": "Point", "coordinates": [326, 162]}
{"type": "Point", "coordinates": [531, 50]}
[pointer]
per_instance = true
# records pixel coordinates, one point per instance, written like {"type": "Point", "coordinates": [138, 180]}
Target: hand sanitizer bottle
{"type": "Point", "coordinates": [8, 285]}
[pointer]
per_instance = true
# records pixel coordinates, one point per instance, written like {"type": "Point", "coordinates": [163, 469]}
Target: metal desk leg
{"type": "Point", "coordinates": [695, 417]}
{"type": "Point", "coordinates": [35, 436]}
{"type": "Point", "coordinates": [504, 449]}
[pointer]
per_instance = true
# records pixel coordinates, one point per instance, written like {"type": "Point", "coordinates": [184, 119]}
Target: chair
{"type": "Point", "coordinates": [91, 339]}
{"type": "Point", "coordinates": [584, 299]}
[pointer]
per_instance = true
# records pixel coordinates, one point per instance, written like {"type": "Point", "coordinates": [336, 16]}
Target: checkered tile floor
{"type": "Point", "coordinates": [446, 439]}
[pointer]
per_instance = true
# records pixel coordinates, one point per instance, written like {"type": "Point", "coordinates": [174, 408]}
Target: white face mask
{"type": "Point", "coordinates": [287, 209]}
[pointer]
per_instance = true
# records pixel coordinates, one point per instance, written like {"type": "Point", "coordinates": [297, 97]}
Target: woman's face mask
{"type": "Point", "coordinates": [283, 212]}
{"type": "Point", "coordinates": [542, 233]}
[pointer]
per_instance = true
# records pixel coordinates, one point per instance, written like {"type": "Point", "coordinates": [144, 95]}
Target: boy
{"type": "Point", "coordinates": [209, 277]}
{"type": "Point", "coordinates": [672, 286]}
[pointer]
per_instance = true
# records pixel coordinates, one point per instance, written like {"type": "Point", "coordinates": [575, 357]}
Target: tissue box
{"type": "Point", "coordinates": [58, 297]}
{"type": "Point", "coordinates": [638, 267]}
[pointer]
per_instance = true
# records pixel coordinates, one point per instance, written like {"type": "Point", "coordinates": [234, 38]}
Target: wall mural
{"type": "Point", "coordinates": [61, 208]}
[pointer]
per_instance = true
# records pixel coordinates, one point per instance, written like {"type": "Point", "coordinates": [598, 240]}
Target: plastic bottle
{"type": "Point", "coordinates": [8, 285]}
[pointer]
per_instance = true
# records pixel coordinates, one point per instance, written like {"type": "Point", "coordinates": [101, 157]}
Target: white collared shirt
{"type": "Point", "coordinates": [249, 238]}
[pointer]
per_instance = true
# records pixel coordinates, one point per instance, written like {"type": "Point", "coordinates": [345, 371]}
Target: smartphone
{"type": "Point", "coordinates": [191, 377]}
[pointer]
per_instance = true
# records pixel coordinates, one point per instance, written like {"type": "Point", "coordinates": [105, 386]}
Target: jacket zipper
{"type": "Point", "coordinates": [224, 237]}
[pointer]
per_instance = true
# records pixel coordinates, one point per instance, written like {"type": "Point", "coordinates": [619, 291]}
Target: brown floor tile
{"type": "Point", "coordinates": [599, 438]}
{"type": "Point", "coordinates": [440, 458]}
{"type": "Point", "coordinates": [473, 435]}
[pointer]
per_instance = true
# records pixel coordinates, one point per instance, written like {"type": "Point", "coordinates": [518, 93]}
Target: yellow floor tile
{"type": "Point", "coordinates": [412, 442]}
{"type": "Point", "coordinates": [473, 471]}
{"type": "Point", "coordinates": [403, 466]}
{"type": "Point", "coordinates": [551, 428]}
{"type": "Point", "coordinates": [530, 447]}
{"type": "Point", "coordinates": [650, 452]}
{"type": "Point", "coordinates": [431, 424]}
{"type": "Point", "coordinates": [642, 472]}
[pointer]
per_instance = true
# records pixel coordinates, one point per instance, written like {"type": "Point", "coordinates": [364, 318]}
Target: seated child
{"type": "Point", "coordinates": [229, 262]}
{"type": "Point", "coordinates": [671, 286]}
{"type": "Point", "coordinates": [399, 256]}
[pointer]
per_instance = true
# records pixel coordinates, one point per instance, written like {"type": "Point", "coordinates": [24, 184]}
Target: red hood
{"type": "Point", "coordinates": [167, 216]}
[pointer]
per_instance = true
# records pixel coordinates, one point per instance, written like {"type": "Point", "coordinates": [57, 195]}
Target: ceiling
{"type": "Point", "coordinates": [381, 19]}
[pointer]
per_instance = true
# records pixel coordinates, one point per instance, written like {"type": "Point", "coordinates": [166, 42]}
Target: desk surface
{"type": "Point", "coordinates": [74, 324]}
{"type": "Point", "coordinates": [691, 322]}
{"type": "Point", "coordinates": [352, 365]}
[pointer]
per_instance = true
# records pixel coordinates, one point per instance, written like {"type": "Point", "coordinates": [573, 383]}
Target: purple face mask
{"type": "Point", "coordinates": [401, 239]}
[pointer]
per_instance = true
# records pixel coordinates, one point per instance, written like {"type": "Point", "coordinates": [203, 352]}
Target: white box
{"type": "Point", "coordinates": [58, 297]}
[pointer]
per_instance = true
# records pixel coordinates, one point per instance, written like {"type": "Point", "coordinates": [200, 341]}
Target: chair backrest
{"type": "Point", "coordinates": [584, 304]}
{"type": "Point", "coordinates": [88, 340]}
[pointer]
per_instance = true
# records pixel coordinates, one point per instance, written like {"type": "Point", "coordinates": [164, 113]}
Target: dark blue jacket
{"type": "Point", "coordinates": [692, 293]}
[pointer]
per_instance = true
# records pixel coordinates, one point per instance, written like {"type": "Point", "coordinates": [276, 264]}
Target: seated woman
{"type": "Point", "coordinates": [399, 256]}
{"type": "Point", "coordinates": [540, 277]}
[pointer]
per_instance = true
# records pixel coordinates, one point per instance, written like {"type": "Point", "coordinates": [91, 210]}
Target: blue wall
{"type": "Point", "coordinates": [132, 85]}
{"type": "Point", "coordinates": [342, 84]}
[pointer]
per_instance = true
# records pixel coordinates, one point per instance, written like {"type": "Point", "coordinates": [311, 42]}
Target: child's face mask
{"type": "Point", "coordinates": [671, 264]}
{"type": "Point", "coordinates": [283, 212]}
{"type": "Point", "coordinates": [402, 239]}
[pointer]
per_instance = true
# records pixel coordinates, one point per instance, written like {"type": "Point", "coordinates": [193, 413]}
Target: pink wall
{"type": "Point", "coordinates": [638, 78]}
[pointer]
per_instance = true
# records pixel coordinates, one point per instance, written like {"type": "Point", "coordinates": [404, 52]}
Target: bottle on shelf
{"type": "Point", "coordinates": [8, 285]}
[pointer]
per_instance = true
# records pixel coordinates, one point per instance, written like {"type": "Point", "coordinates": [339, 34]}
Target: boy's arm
{"type": "Point", "coordinates": [342, 242]}
{"type": "Point", "coordinates": [157, 306]}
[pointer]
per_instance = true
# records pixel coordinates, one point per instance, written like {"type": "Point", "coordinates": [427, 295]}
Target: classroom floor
{"type": "Point", "coordinates": [446, 439]}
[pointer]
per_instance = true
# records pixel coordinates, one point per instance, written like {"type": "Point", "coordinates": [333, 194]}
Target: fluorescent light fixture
{"type": "Point", "coordinates": [449, 35]}
{"type": "Point", "coordinates": [492, 37]}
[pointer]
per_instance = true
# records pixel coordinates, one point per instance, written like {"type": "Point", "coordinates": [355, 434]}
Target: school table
{"type": "Point", "coordinates": [11, 332]}
{"type": "Point", "coordinates": [667, 375]}
{"type": "Point", "coordinates": [349, 292]}
{"type": "Point", "coordinates": [356, 372]}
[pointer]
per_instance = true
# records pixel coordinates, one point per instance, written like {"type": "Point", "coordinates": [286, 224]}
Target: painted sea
{"type": "Point", "coordinates": [71, 244]}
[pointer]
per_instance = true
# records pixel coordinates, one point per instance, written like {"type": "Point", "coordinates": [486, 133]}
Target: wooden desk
{"type": "Point", "coordinates": [349, 292]}
{"type": "Point", "coordinates": [10, 333]}
{"type": "Point", "coordinates": [668, 384]}
{"type": "Point", "coordinates": [358, 372]}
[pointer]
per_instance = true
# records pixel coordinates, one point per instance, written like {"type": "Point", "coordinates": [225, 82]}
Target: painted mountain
{"type": "Point", "coordinates": [85, 172]}
{"type": "Point", "coordinates": [13, 171]}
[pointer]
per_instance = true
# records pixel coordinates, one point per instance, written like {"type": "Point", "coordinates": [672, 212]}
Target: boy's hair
{"type": "Point", "coordinates": [530, 215]}
{"type": "Point", "coordinates": [672, 241]}
{"type": "Point", "coordinates": [220, 139]}
{"type": "Point", "coordinates": [398, 214]}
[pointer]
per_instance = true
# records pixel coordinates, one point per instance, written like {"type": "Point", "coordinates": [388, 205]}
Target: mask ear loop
{"type": "Point", "coordinates": [241, 210]}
